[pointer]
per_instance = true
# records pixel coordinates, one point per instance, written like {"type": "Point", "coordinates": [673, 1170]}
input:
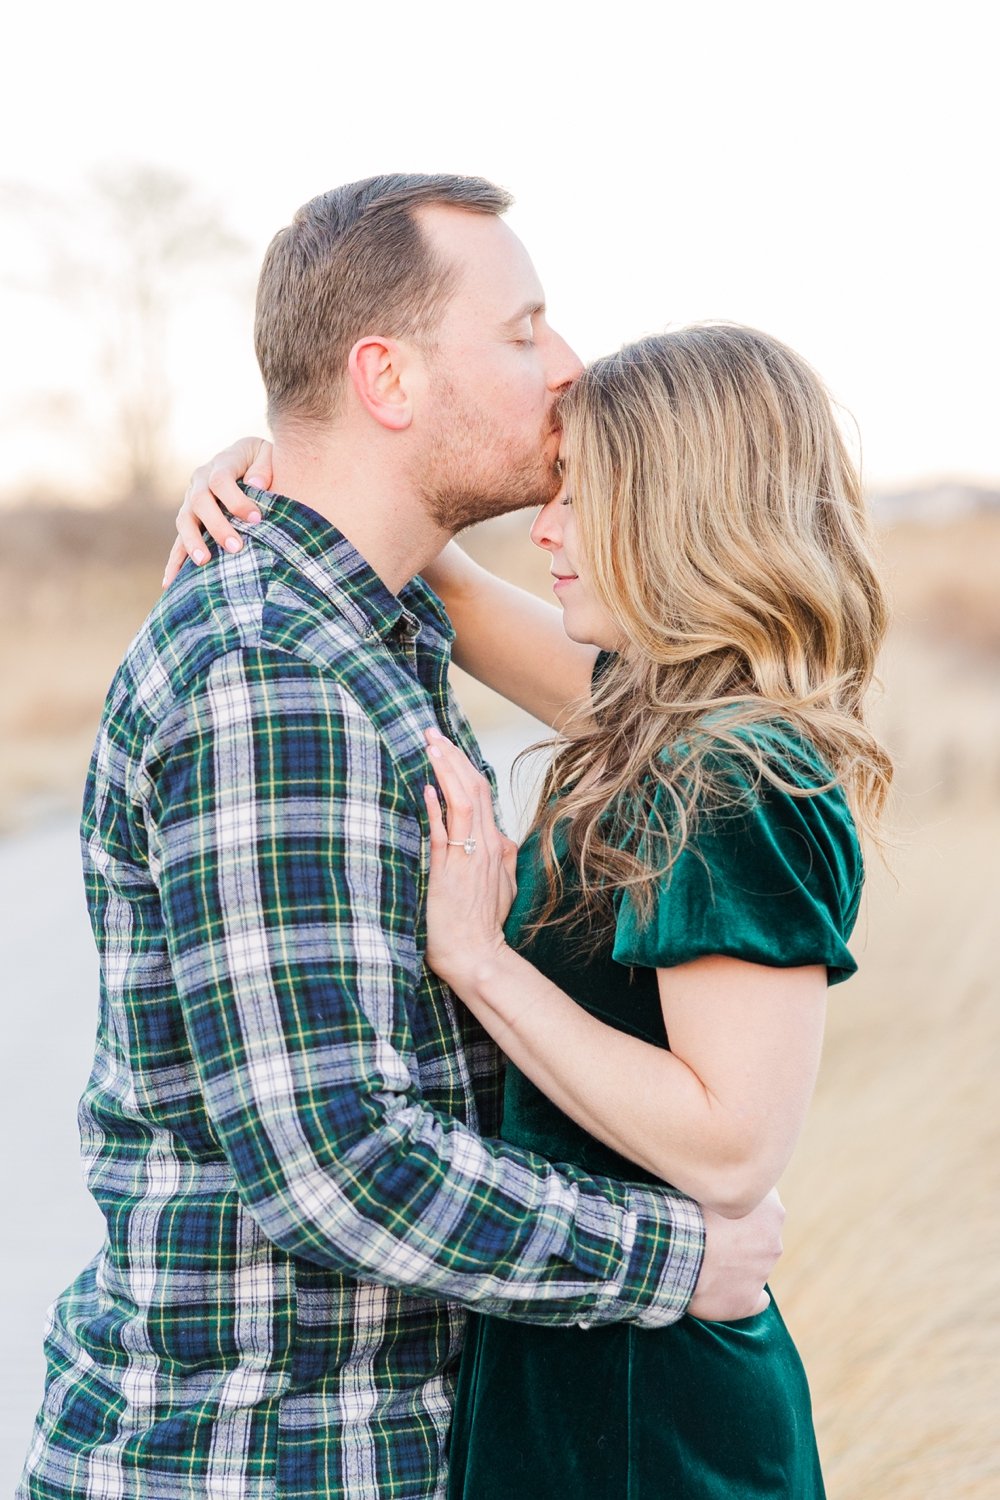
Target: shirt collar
{"type": "Point", "coordinates": [333, 564]}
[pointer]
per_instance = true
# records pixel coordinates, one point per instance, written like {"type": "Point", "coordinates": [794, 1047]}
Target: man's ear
{"type": "Point", "coordinates": [377, 367]}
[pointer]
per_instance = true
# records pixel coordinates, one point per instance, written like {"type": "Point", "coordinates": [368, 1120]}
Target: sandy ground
{"type": "Point", "coordinates": [891, 1278]}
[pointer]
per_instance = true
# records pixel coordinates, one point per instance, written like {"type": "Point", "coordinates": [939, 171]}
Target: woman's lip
{"type": "Point", "coordinates": [560, 580]}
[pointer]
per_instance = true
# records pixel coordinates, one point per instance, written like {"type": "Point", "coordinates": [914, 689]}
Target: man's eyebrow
{"type": "Point", "coordinates": [530, 310]}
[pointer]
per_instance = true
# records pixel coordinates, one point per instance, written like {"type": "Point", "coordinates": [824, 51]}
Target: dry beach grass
{"type": "Point", "coordinates": [891, 1280]}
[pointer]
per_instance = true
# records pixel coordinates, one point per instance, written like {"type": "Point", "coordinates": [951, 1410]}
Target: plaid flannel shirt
{"type": "Point", "coordinates": [289, 1124]}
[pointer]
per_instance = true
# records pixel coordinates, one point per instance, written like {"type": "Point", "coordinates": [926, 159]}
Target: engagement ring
{"type": "Point", "coordinates": [469, 845]}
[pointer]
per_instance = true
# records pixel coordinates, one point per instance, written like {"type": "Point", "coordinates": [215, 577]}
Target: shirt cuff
{"type": "Point", "coordinates": [664, 1258]}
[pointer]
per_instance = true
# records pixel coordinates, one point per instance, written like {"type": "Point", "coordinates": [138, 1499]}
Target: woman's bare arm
{"type": "Point", "coordinates": [719, 1114]}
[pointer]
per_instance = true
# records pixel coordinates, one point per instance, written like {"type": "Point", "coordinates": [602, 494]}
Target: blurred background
{"type": "Point", "coordinates": [821, 174]}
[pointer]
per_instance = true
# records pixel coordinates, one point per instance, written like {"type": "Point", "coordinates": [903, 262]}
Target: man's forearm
{"type": "Point", "coordinates": [524, 1239]}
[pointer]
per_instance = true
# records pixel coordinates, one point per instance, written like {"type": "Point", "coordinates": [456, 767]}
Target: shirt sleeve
{"type": "Point", "coordinates": [772, 878]}
{"type": "Point", "coordinates": [287, 854]}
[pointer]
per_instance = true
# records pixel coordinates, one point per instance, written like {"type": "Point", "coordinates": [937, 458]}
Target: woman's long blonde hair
{"type": "Point", "coordinates": [722, 525]}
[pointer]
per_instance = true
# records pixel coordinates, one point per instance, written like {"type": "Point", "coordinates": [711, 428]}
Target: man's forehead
{"type": "Point", "coordinates": [487, 253]}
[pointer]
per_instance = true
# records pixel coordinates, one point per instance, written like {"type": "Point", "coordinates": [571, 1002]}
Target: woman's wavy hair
{"type": "Point", "coordinates": [722, 526]}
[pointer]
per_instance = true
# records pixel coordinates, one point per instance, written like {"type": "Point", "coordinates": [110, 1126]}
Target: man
{"type": "Point", "coordinates": [288, 1125]}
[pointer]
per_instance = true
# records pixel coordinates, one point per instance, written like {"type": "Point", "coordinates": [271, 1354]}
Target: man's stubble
{"type": "Point", "coordinates": [474, 470]}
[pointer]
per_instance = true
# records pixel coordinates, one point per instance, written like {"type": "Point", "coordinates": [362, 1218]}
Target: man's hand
{"type": "Point", "coordinates": [250, 458]}
{"type": "Point", "coordinates": [740, 1255]}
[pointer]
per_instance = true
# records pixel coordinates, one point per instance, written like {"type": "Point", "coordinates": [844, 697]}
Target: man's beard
{"type": "Point", "coordinates": [473, 472]}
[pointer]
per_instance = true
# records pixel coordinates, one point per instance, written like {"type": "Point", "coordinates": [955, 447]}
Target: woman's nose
{"type": "Point", "coordinates": [545, 529]}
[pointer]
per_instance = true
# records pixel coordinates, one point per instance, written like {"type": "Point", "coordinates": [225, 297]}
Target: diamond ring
{"type": "Point", "coordinates": [469, 845]}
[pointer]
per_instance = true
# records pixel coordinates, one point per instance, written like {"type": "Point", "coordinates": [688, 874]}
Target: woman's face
{"type": "Point", "coordinates": [585, 618]}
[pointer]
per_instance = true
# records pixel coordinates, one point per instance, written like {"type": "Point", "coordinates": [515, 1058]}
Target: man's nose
{"type": "Point", "coordinates": [564, 364]}
{"type": "Point", "coordinates": [545, 529]}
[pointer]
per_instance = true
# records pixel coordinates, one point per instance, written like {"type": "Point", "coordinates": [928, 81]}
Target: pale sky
{"type": "Point", "coordinates": [823, 172]}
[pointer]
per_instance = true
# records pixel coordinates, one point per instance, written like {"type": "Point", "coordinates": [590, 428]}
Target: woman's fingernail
{"type": "Point", "coordinates": [434, 751]}
{"type": "Point", "coordinates": [233, 544]}
{"type": "Point", "coordinates": [200, 556]}
{"type": "Point", "coordinates": [434, 733]}
{"type": "Point", "coordinates": [253, 517]}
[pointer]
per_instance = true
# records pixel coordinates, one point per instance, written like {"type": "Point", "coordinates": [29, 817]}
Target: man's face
{"type": "Point", "coordinates": [495, 372]}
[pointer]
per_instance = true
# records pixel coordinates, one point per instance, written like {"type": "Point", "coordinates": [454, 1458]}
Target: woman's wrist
{"type": "Point", "coordinates": [450, 573]}
{"type": "Point", "coordinates": [492, 983]}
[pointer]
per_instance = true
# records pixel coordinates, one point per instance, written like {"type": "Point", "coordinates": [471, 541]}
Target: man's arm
{"type": "Point", "coordinates": [288, 855]}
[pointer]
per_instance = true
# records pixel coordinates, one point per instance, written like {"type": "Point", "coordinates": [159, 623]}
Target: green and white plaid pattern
{"type": "Point", "coordinates": [290, 1124]}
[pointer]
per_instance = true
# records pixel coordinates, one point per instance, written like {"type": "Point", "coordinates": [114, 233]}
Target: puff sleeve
{"type": "Point", "coordinates": [773, 879]}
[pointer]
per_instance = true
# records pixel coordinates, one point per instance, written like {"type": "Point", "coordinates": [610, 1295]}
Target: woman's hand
{"type": "Point", "coordinates": [469, 894]}
{"type": "Point", "coordinates": [250, 459]}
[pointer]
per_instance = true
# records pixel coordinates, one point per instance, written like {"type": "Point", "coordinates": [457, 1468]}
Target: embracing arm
{"type": "Point", "coordinates": [719, 1114]}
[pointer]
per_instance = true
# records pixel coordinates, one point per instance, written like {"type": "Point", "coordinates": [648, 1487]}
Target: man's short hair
{"type": "Point", "coordinates": [353, 261]}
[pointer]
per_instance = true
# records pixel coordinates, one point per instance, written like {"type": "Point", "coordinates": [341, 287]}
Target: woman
{"type": "Point", "coordinates": [686, 889]}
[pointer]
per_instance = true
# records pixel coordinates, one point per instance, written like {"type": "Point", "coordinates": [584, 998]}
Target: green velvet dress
{"type": "Point", "coordinates": [703, 1411]}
